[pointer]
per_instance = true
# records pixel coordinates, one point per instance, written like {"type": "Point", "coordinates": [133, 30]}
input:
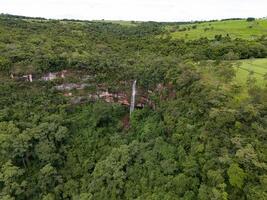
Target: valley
{"type": "Point", "coordinates": [102, 109]}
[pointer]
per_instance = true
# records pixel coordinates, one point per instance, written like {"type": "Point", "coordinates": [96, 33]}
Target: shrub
{"type": "Point", "coordinates": [250, 19]}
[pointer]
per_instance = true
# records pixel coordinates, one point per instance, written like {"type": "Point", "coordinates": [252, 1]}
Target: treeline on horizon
{"type": "Point", "coordinates": [200, 140]}
{"type": "Point", "coordinates": [52, 45]}
{"type": "Point", "coordinates": [132, 21]}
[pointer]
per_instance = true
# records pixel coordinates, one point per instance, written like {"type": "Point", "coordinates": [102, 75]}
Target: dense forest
{"type": "Point", "coordinates": [194, 137]}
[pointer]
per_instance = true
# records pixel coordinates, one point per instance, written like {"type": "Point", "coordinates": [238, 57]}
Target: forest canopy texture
{"type": "Point", "coordinates": [199, 135]}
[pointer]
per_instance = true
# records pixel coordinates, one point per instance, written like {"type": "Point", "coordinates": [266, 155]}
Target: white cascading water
{"type": "Point", "coordinates": [30, 77]}
{"type": "Point", "coordinates": [133, 97]}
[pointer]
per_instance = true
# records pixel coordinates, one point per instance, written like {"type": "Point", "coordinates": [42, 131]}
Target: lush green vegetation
{"type": "Point", "coordinates": [194, 141]}
{"type": "Point", "coordinates": [242, 28]}
{"type": "Point", "coordinates": [256, 68]}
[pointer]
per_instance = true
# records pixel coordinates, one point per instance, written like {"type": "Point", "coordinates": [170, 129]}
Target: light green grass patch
{"type": "Point", "coordinates": [120, 22]}
{"type": "Point", "coordinates": [234, 28]}
{"type": "Point", "coordinates": [243, 68]}
{"type": "Point", "coordinates": [258, 66]}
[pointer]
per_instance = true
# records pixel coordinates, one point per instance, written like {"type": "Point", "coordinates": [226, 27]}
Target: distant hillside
{"type": "Point", "coordinates": [234, 28]}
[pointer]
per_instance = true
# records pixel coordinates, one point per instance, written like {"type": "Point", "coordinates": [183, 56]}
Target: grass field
{"type": "Point", "coordinates": [243, 69]}
{"type": "Point", "coordinates": [234, 28]}
{"type": "Point", "coordinates": [257, 66]}
{"type": "Point", "coordinates": [120, 22]}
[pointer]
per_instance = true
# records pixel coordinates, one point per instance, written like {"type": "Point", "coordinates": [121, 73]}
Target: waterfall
{"type": "Point", "coordinates": [133, 97]}
{"type": "Point", "coordinates": [30, 77]}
